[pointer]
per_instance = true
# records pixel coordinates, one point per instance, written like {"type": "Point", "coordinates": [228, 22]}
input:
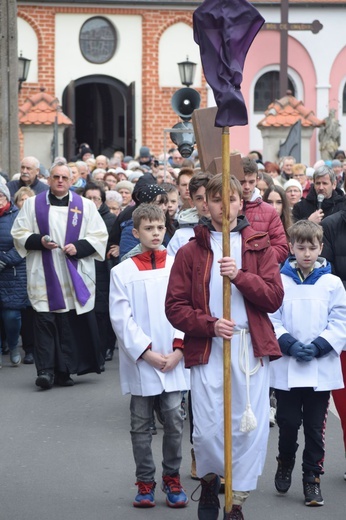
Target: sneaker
{"type": "Point", "coordinates": [15, 357]}
{"type": "Point", "coordinates": [28, 359]}
{"type": "Point", "coordinates": [209, 504]}
{"type": "Point", "coordinates": [109, 355]}
{"type": "Point", "coordinates": [146, 494]}
{"type": "Point", "coordinates": [312, 491]}
{"type": "Point", "coordinates": [193, 465]}
{"type": "Point", "coordinates": [175, 495]}
{"type": "Point", "coordinates": [235, 514]}
{"type": "Point", "coordinates": [272, 414]}
{"type": "Point", "coordinates": [283, 475]}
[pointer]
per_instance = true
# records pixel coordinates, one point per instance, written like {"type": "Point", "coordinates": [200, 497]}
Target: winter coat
{"type": "Point", "coordinates": [187, 302]}
{"type": "Point", "coordinates": [305, 207]}
{"type": "Point", "coordinates": [103, 268]}
{"type": "Point", "coordinates": [37, 186]}
{"type": "Point", "coordinates": [13, 294]}
{"type": "Point", "coordinates": [263, 217]}
{"type": "Point", "coordinates": [334, 243]}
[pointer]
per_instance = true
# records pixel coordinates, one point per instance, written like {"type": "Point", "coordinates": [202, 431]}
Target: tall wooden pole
{"type": "Point", "coordinates": [283, 80]}
{"type": "Point", "coordinates": [9, 129]}
{"type": "Point", "coordinates": [227, 382]}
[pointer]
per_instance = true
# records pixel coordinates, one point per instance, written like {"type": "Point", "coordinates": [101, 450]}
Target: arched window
{"type": "Point", "coordinates": [267, 90]}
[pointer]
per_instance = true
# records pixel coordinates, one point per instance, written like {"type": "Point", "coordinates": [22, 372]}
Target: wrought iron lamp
{"type": "Point", "coordinates": [23, 70]}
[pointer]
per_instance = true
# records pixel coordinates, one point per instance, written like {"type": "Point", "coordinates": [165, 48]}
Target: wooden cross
{"type": "Point", "coordinates": [284, 27]}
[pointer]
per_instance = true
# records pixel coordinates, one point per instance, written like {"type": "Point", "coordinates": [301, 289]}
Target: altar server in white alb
{"type": "Point", "coordinates": [194, 305]}
{"type": "Point", "coordinates": [150, 355]}
{"type": "Point", "coordinates": [61, 235]}
{"type": "Point", "coordinates": [311, 330]}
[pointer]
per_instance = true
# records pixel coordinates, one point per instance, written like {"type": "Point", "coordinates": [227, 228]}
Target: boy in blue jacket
{"type": "Point", "coordinates": [311, 329]}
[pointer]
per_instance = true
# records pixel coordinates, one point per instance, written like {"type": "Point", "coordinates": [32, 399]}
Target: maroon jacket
{"type": "Point", "coordinates": [187, 301]}
{"type": "Point", "coordinates": [263, 217]}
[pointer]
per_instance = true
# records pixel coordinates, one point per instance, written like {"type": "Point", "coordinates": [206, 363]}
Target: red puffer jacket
{"type": "Point", "coordinates": [263, 217]}
{"type": "Point", "coordinates": [187, 301]}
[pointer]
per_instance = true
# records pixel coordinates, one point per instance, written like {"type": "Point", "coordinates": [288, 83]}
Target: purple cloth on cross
{"type": "Point", "coordinates": [224, 31]}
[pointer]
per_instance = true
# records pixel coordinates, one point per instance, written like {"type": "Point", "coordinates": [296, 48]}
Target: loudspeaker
{"type": "Point", "coordinates": [184, 138]}
{"type": "Point", "coordinates": [184, 101]}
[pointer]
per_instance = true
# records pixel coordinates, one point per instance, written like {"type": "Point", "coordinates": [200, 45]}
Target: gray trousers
{"type": "Point", "coordinates": [141, 416]}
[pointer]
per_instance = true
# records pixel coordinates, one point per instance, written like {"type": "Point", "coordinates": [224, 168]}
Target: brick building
{"type": "Point", "coordinates": [113, 66]}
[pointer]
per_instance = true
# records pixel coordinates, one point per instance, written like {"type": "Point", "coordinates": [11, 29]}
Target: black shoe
{"type": "Point", "coordinates": [283, 475]}
{"type": "Point", "coordinates": [44, 380]}
{"type": "Point", "coordinates": [312, 491]}
{"type": "Point", "coordinates": [28, 359]}
{"type": "Point", "coordinates": [209, 504]}
{"type": "Point", "coordinates": [63, 380]}
{"type": "Point", "coordinates": [109, 355]}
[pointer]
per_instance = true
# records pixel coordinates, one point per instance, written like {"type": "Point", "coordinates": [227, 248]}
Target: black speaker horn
{"type": "Point", "coordinates": [185, 101]}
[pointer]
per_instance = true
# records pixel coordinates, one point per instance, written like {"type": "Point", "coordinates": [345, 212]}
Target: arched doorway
{"type": "Point", "coordinates": [103, 112]}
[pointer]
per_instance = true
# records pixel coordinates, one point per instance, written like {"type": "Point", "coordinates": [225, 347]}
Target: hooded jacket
{"type": "Point", "coordinates": [263, 217]}
{"type": "Point", "coordinates": [187, 301]}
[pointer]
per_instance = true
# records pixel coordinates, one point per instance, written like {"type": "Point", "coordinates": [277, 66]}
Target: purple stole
{"type": "Point", "coordinates": [74, 222]}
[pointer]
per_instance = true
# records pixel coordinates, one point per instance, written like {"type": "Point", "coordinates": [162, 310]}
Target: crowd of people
{"type": "Point", "coordinates": [99, 253]}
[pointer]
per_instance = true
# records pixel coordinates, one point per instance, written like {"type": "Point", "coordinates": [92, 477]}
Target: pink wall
{"type": "Point", "coordinates": [337, 77]}
{"type": "Point", "coordinates": [265, 51]}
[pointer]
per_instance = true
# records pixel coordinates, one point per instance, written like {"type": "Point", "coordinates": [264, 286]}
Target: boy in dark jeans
{"type": "Point", "coordinates": [311, 329]}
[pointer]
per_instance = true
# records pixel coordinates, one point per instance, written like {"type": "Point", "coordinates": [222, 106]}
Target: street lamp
{"type": "Point", "coordinates": [184, 102]}
{"type": "Point", "coordinates": [23, 70]}
{"type": "Point", "coordinates": [187, 71]}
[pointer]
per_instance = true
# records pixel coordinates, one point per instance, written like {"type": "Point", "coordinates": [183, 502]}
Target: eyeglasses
{"type": "Point", "coordinates": [58, 177]}
{"type": "Point", "coordinates": [94, 199]}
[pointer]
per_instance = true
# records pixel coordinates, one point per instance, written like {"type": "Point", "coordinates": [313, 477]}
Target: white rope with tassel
{"type": "Point", "coordinates": [248, 421]}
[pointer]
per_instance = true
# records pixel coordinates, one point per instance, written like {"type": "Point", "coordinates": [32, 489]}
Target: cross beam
{"type": "Point", "coordinates": [284, 27]}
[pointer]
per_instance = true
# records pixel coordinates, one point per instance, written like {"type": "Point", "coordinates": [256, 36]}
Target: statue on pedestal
{"type": "Point", "coordinates": [329, 136]}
